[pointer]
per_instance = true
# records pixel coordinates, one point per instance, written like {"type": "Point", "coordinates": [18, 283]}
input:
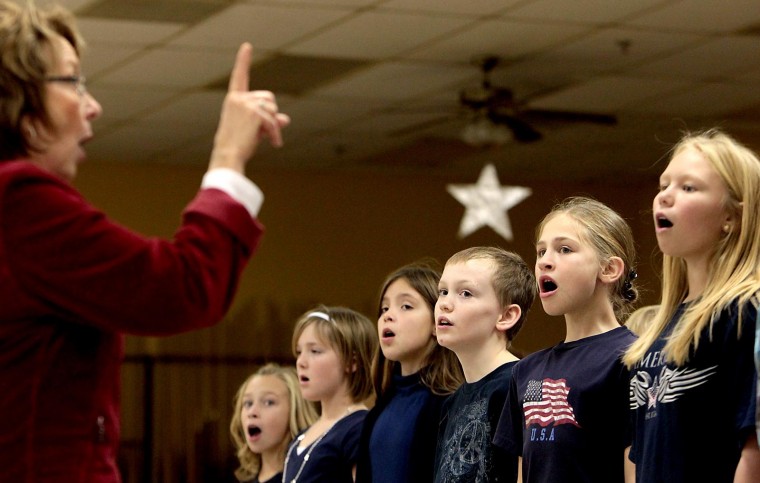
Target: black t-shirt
{"type": "Point", "coordinates": [275, 479]}
{"type": "Point", "coordinates": [567, 412]}
{"type": "Point", "coordinates": [330, 459]}
{"type": "Point", "coordinates": [691, 422]}
{"type": "Point", "coordinates": [465, 449]}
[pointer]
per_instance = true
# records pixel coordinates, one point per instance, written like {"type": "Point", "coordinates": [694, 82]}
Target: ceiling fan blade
{"type": "Point", "coordinates": [569, 116]}
{"type": "Point", "coordinates": [522, 131]}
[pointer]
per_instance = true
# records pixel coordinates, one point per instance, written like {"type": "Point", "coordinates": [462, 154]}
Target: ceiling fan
{"type": "Point", "coordinates": [495, 116]}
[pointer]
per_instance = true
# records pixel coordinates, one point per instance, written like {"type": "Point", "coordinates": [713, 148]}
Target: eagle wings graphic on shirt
{"type": "Point", "coordinates": [667, 386]}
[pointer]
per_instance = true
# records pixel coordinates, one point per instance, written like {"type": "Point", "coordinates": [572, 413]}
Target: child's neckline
{"type": "Point", "coordinates": [589, 338]}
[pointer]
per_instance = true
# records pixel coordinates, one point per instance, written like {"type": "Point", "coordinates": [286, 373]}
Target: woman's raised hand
{"type": "Point", "coordinates": [247, 117]}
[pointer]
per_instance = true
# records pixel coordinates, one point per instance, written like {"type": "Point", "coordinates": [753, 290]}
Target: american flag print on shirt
{"type": "Point", "coordinates": [545, 403]}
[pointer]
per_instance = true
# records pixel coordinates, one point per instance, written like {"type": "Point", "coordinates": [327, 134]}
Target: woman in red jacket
{"type": "Point", "coordinates": [72, 282]}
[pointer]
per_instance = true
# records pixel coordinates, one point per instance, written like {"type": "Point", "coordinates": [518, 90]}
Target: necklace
{"type": "Point", "coordinates": [311, 448]}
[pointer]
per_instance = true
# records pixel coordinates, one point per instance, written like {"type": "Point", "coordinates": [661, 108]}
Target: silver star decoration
{"type": "Point", "coordinates": [487, 202]}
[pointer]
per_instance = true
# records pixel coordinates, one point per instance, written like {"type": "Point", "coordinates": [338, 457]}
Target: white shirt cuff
{"type": "Point", "coordinates": [240, 188]}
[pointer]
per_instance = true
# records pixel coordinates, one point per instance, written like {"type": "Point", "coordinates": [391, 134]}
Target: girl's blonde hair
{"type": "Point", "coordinates": [442, 372]}
{"type": "Point", "coordinates": [611, 236]}
{"type": "Point", "coordinates": [302, 415]}
{"type": "Point", "coordinates": [640, 319]}
{"type": "Point", "coordinates": [352, 336]}
{"type": "Point", "coordinates": [735, 259]}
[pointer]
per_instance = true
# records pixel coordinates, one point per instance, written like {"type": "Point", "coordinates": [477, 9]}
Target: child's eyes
{"type": "Point", "coordinates": [383, 310]}
{"type": "Point", "coordinates": [541, 252]}
{"type": "Point", "coordinates": [689, 188]}
{"type": "Point", "coordinates": [270, 402]}
{"type": "Point", "coordinates": [442, 292]}
{"type": "Point", "coordinates": [247, 404]}
{"type": "Point", "coordinates": [406, 307]}
{"type": "Point", "coordinates": [565, 249]}
{"type": "Point", "coordinates": [466, 293]}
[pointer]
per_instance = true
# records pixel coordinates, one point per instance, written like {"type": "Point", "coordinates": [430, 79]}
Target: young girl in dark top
{"type": "Point", "coordinates": [269, 412]}
{"type": "Point", "coordinates": [693, 380]}
{"type": "Point", "coordinates": [334, 347]}
{"type": "Point", "coordinates": [412, 376]}
{"type": "Point", "coordinates": [567, 413]}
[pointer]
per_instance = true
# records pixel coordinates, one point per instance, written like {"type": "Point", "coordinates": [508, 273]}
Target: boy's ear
{"type": "Point", "coordinates": [612, 270]}
{"type": "Point", "coordinates": [509, 317]}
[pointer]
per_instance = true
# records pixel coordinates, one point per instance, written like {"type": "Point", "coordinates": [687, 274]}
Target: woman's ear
{"type": "Point", "coordinates": [33, 131]}
{"type": "Point", "coordinates": [612, 270]}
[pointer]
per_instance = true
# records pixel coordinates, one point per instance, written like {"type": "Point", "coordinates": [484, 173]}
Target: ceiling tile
{"type": "Point", "coordinates": [729, 57]}
{"type": "Point", "coordinates": [606, 94]}
{"type": "Point", "coordinates": [126, 32]}
{"type": "Point", "coordinates": [174, 67]}
{"type": "Point", "coordinates": [179, 11]}
{"type": "Point", "coordinates": [396, 81]}
{"type": "Point", "coordinates": [707, 99]}
{"type": "Point", "coordinates": [266, 27]}
{"type": "Point", "coordinates": [375, 35]}
{"type": "Point", "coordinates": [461, 7]}
{"type": "Point", "coordinates": [199, 109]}
{"type": "Point", "coordinates": [328, 3]}
{"type": "Point", "coordinates": [312, 115]}
{"type": "Point", "coordinates": [399, 123]}
{"type": "Point", "coordinates": [582, 11]}
{"type": "Point", "coordinates": [618, 48]}
{"type": "Point", "coordinates": [293, 74]}
{"type": "Point", "coordinates": [505, 38]}
{"type": "Point", "coordinates": [96, 59]}
{"type": "Point", "coordinates": [699, 15]}
{"type": "Point", "coordinates": [751, 76]}
{"type": "Point", "coordinates": [120, 103]}
{"type": "Point", "coordinates": [73, 5]}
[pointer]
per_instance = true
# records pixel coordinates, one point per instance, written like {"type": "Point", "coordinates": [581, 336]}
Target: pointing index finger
{"type": "Point", "coordinates": [239, 76]}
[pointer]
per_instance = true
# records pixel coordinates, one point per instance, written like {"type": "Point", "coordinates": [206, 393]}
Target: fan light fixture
{"type": "Point", "coordinates": [481, 132]}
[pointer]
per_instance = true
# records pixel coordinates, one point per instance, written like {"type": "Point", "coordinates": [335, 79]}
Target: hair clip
{"type": "Point", "coordinates": [319, 315]}
{"type": "Point", "coordinates": [628, 292]}
{"type": "Point", "coordinates": [632, 275]}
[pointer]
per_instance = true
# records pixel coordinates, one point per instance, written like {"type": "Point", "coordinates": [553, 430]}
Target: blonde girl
{"type": "Point", "coordinates": [567, 414]}
{"type": "Point", "coordinates": [693, 380]}
{"type": "Point", "coordinates": [334, 347]}
{"type": "Point", "coordinates": [269, 412]}
{"type": "Point", "coordinates": [413, 375]}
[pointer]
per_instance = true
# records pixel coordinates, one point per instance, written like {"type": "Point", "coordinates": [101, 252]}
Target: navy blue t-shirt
{"type": "Point", "coordinates": [390, 443]}
{"type": "Point", "coordinates": [331, 459]}
{"type": "Point", "coordinates": [466, 453]}
{"type": "Point", "coordinates": [567, 411]}
{"type": "Point", "coordinates": [275, 479]}
{"type": "Point", "coordinates": [691, 422]}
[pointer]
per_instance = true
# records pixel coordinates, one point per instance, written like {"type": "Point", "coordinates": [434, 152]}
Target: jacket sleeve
{"type": "Point", "coordinates": [68, 259]}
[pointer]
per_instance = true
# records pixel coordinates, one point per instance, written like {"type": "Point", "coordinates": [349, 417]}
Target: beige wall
{"type": "Point", "coordinates": [332, 238]}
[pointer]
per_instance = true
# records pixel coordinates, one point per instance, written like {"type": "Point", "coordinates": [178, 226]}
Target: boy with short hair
{"type": "Point", "coordinates": [483, 300]}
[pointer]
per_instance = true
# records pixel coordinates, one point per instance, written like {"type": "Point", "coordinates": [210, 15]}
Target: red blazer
{"type": "Point", "coordinates": [72, 283]}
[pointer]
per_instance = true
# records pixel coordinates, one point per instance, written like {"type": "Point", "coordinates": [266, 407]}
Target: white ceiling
{"type": "Point", "coordinates": [356, 74]}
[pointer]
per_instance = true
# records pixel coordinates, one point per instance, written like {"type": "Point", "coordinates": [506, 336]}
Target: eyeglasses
{"type": "Point", "coordinates": [78, 81]}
